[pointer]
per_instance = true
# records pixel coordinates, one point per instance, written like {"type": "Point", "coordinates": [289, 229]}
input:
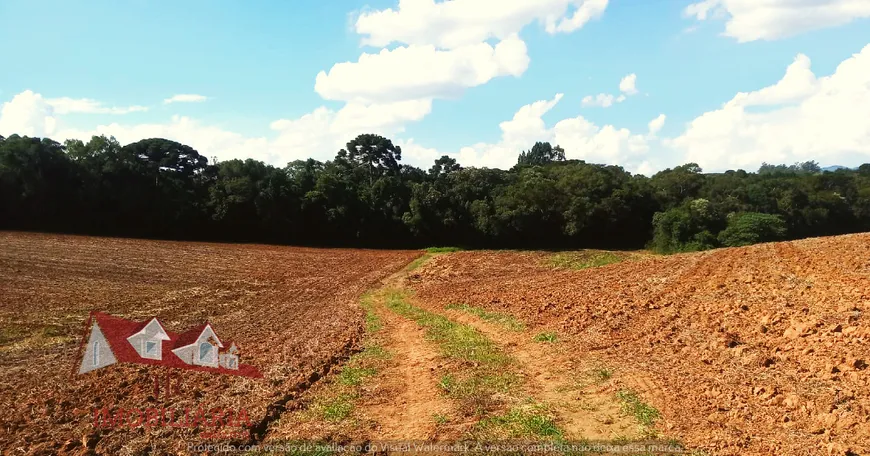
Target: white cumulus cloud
{"type": "Point", "coordinates": [185, 98]}
{"type": "Point", "coordinates": [656, 124]}
{"type": "Point", "coordinates": [750, 20]}
{"type": "Point", "coordinates": [318, 134]}
{"type": "Point", "coordinates": [321, 133]}
{"type": "Point", "coordinates": [446, 47]}
{"type": "Point", "coordinates": [457, 23]}
{"type": "Point", "coordinates": [602, 100]}
{"type": "Point", "coordinates": [800, 117]}
{"type": "Point", "coordinates": [421, 71]}
{"type": "Point", "coordinates": [417, 154]}
{"type": "Point", "coordinates": [581, 139]}
{"type": "Point", "coordinates": [628, 87]}
{"type": "Point", "coordinates": [628, 84]}
{"type": "Point", "coordinates": [67, 105]}
{"type": "Point", "coordinates": [608, 144]}
{"type": "Point", "coordinates": [29, 114]}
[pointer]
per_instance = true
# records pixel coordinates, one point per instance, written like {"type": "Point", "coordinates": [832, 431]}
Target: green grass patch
{"type": "Point", "coordinates": [338, 408]}
{"type": "Point", "coordinates": [547, 337]}
{"type": "Point", "coordinates": [353, 376]}
{"type": "Point", "coordinates": [634, 406]}
{"type": "Point", "coordinates": [338, 400]}
{"type": "Point", "coordinates": [502, 319]}
{"type": "Point", "coordinates": [585, 259]}
{"type": "Point", "coordinates": [430, 252]}
{"type": "Point", "coordinates": [420, 261]}
{"type": "Point", "coordinates": [443, 249]}
{"type": "Point", "coordinates": [478, 390]}
{"type": "Point", "coordinates": [601, 374]}
{"type": "Point", "coordinates": [456, 341]}
{"type": "Point", "coordinates": [374, 352]}
{"type": "Point", "coordinates": [517, 423]}
{"type": "Point", "coordinates": [373, 322]}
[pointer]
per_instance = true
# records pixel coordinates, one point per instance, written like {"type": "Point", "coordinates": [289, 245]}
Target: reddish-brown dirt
{"type": "Point", "coordinates": [755, 350]}
{"type": "Point", "coordinates": [294, 311]}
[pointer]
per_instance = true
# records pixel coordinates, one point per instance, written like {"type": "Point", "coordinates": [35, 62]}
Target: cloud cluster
{"type": "Point", "coordinates": [28, 114]}
{"type": "Point", "coordinates": [421, 71]}
{"type": "Point", "coordinates": [750, 20]}
{"type": "Point", "coordinates": [457, 23]}
{"type": "Point", "coordinates": [581, 139]}
{"type": "Point", "coordinates": [445, 50]}
{"type": "Point", "coordinates": [322, 132]}
{"type": "Point", "coordinates": [800, 117]}
{"type": "Point", "coordinates": [66, 105]}
{"type": "Point", "coordinates": [628, 87]}
{"type": "Point", "coordinates": [444, 47]}
{"type": "Point", "coordinates": [318, 134]}
{"type": "Point", "coordinates": [447, 47]}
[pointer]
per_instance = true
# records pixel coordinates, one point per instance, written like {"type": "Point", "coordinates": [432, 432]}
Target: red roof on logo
{"type": "Point", "coordinates": [188, 337]}
{"type": "Point", "coordinates": [116, 331]}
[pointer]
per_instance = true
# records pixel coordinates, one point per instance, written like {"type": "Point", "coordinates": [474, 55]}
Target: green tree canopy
{"type": "Point", "coordinates": [541, 154]}
{"type": "Point", "coordinates": [751, 228]}
{"type": "Point", "coordinates": [365, 196]}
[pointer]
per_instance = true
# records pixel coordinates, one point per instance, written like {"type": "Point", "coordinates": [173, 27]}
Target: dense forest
{"type": "Point", "coordinates": [365, 197]}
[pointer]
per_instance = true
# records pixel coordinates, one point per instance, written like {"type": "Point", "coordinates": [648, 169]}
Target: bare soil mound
{"type": "Point", "coordinates": [755, 350]}
{"type": "Point", "coordinates": [293, 311]}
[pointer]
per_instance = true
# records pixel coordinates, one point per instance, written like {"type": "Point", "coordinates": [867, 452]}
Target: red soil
{"type": "Point", "coordinates": [755, 350]}
{"type": "Point", "coordinates": [294, 312]}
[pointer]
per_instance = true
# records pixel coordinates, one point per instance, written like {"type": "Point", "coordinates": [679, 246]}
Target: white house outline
{"type": "Point", "coordinates": [160, 335]}
{"type": "Point", "coordinates": [196, 343]}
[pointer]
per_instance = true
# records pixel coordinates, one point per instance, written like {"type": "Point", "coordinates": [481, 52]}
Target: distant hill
{"type": "Point", "coordinates": [836, 167]}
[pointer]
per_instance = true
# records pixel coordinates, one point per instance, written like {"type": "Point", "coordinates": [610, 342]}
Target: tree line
{"type": "Point", "coordinates": [157, 188]}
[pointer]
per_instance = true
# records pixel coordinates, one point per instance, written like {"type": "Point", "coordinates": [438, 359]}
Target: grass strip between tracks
{"type": "Point", "coordinates": [480, 377]}
{"type": "Point", "coordinates": [502, 319]}
{"type": "Point", "coordinates": [585, 259]}
{"type": "Point", "coordinates": [430, 253]}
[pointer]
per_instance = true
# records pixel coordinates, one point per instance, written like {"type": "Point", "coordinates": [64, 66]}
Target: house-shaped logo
{"type": "Point", "coordinates": [113, 340]}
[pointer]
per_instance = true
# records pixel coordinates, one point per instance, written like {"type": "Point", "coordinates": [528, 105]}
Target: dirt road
{"type": "Point", "coordinates": [454, 374]}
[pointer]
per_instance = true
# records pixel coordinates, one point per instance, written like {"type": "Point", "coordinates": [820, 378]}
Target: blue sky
{"type": "Point", "coordinates": [415, 73]}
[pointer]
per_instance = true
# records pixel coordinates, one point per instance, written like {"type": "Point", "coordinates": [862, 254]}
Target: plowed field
{"type": "Point", "coordinates": [294, 312]}
{"type": "Point", "coordinates": [757, 350]}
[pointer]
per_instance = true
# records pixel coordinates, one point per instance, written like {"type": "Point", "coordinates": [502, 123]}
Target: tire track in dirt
{"type": "Point", "coordinates": [552, 376]}
{"type": "Point", "coordinates": [411, 397]}
{"type": "Point", "coordinates": [389, 390]}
